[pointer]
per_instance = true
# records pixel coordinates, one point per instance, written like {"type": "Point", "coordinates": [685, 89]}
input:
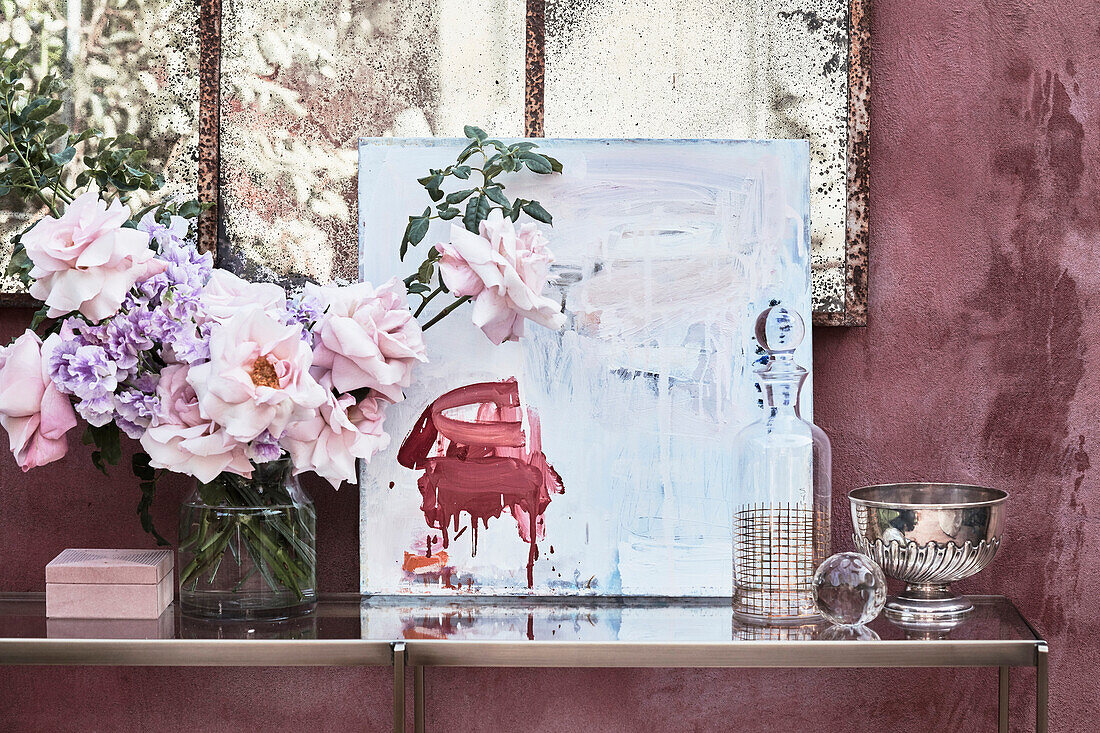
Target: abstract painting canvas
{"type": "Point", "coordinates": [610, 462]}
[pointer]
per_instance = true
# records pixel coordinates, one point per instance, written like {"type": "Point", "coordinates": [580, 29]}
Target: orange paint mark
{"type": "Point", "coordinates": [419, 565]}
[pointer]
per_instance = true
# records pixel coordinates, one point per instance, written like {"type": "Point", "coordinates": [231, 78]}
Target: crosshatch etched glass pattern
{"type": "Point", "coordinates": [774, 552]}
{"type": "Point", "coordinates": [131, 67]}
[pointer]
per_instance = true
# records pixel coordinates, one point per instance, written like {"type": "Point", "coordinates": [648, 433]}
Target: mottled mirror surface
{"type": "Point", "coordinates": [713, 68]}
{"type": "Point", "coordinates": [302, 80]}
{"type": "Point", "coordinates": [131, 67]}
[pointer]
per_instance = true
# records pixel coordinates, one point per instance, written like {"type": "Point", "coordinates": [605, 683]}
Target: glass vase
{"type": "Point", "coordinates": [247, 547]}
{"type": "Point", "coordinates": [782, 524]}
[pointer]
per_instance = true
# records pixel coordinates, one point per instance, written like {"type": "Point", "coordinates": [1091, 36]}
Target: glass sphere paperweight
{"type": "Point", "coordinates": [849, 589]}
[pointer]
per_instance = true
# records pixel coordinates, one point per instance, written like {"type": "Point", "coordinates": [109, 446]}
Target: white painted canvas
{"type": "Point", "coordinates": [665, 252]}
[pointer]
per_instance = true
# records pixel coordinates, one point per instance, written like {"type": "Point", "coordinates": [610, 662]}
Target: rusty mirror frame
{"type": "Point", "coordinates": [856, 249]}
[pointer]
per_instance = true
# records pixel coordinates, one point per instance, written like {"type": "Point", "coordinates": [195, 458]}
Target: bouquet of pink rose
{"type": "Point", "coordinates": [232, 382]}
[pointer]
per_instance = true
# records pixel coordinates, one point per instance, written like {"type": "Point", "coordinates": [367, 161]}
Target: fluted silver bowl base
{"type": "Point", "coordinates": [927, 606]}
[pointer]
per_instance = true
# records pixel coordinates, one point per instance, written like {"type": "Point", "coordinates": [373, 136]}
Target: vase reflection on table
{"type": "Point", "coordinates": [247, 547]}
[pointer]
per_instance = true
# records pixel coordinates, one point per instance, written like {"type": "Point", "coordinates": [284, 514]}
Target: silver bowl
{"type": "Point", "coordinates": [928, 535]}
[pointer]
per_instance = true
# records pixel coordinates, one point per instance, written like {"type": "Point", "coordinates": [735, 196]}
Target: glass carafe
{"type": "Point", "coordinates": [781, 524]}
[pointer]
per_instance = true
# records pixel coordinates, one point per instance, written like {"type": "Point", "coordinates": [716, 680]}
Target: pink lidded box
{"type": "Point", "coordinates": [109, 584]}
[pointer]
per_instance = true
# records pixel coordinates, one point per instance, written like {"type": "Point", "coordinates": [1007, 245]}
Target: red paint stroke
{"type": "Point", "coordinates": [482, 467]}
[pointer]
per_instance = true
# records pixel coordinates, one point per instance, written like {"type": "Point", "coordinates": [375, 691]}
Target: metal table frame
{"type": "Point", "coordinates": [418, 654]}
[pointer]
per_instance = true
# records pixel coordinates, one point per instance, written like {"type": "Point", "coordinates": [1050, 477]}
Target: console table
{"type": "Point", "coordinates": [414, 632]}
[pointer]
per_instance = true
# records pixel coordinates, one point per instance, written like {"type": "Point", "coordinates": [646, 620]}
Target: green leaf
{"type": "Point", "coordinates": [418, 288]}
{"type": "Point", "coordinates": [63, 157]}
{"type": "Point", "coordinates": [20, 266]}
{"type": "Point", "coordinates": [461, 171]}
{"type": "Point", "coordinates": [39, 317]}
{"type": "Point", "coordinates": [468, 151]}
{"type": "Point", "coordinates": [535, 211]}
{"type": "Point", "coordinates": [537, 163]}
{"type": "Point", "coordinates": [108, 439]}
{"type": "Point", "coordinates": [448, 213]}
{"type": "Point", "coordinates": [189, 209]}
{"type": "Point", "coordinates": [53, 131]}
{"type": "Point", "coordinates": [555, 164]}
{"type": "Point", "coordinates": [418, 227]}
{"type": "Point", "coordinates": [83, 135]}
{"type": "Point", "coordinates": [457, 196]}
{"type": "Point", "coordinates": [474, 133]}
{"type": "Point", "coordinates": [425, 272]}
{"type": "Point", "coordinates": [477, 209]}
{"type": "Point", "coordinates": [496, 194]}
{"type": "Point", "coordinates": [141, 467]}
{"type": "Point", "coordinates": [148, 485]}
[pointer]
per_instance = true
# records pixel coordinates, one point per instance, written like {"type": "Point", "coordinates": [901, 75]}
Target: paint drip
{"type": "Point", "coordinates": [483, 467]}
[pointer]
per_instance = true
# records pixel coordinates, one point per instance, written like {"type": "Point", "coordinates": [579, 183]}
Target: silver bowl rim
{"type": "Point", "coordinates": [855, 499]}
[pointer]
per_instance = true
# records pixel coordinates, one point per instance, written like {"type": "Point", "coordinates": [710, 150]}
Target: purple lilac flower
{"type": "Point", "coordinates": [192, 345]}
{"type": "Point", "coordinates": [83, 370]}
{"type": "Point", "coordinates": [305, 310]}
{"type": "Point", "coordinates": [176, 231]}
{"type": "Point", "coordinates": [188, 269]}
{"type": "Point", "coordinates": [80, 366]}
{"type": "Point", "coordinates": [97, 411]}
{"type": "Point", "coordinates": [135, 411]}
{"type": "Point", "coordinates": [126, 336]}
{"type": "Point", "coordinates": [146, 382]}
{"type": "Point", "coordinates": [264, 448]}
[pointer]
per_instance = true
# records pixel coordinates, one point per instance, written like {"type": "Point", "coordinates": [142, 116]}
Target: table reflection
{"type": "Point", "coordinates": [545, 620]}
{"type": "Point", "coordinates": [113, 628]}
{"type": "Point", "coordinates": [644, 620]}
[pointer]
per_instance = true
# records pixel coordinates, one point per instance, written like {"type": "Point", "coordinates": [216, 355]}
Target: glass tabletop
{"type": "Point", "coordinates": [412, 618]}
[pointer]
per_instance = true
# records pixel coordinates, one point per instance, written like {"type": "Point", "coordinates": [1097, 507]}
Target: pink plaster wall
{"type": "Point", "coordinates": [979, 364]}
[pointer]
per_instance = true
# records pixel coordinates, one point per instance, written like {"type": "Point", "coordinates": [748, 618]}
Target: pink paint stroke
{"type": "Point", "coordinates": [482, 467]}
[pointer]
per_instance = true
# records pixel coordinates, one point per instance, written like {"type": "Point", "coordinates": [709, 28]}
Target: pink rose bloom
{"type": "Point", "coordinates": [225, 294]}
{"type": "Point", "coordinates": [366, 338]}
{"type": "Point", "coordinates": [504, 270]}
{"type": "Point", "coordinates": [32, 410]}
{"type": "Point", "coordinates": [182, 440]}
{"type": "Point", "coordinates": [85, 261]}
{"type": "Point", "coordinates": [258, 377]}
{"type": "Point", "coordinates": [329, 442]}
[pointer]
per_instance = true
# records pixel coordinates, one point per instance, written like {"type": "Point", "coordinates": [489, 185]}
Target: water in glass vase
{"type": "Point", "coordinates": [247, 547]}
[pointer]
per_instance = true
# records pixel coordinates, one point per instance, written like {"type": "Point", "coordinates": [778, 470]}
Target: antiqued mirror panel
{"type": "Point", "coordinates": [131, 67]}
{"type": "Point", "coordinates": [303, 80]}
{"type": "Point", "coordinates": [705, 69]}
